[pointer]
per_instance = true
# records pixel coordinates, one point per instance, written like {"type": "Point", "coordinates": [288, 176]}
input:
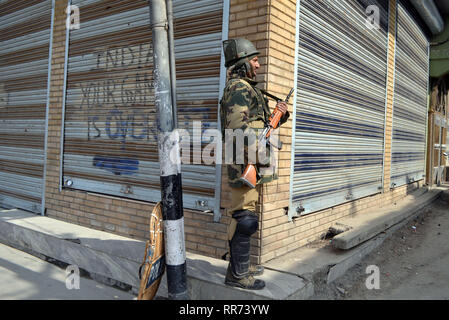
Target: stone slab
{"type": "Point", "coordinates": [117, 258]}
{"type": "Point", "coordinates": [329, 263]}
{"type": "Point", "coordinates": [279, 285]}
{"type": "Point", "coordinates": [26, 277]}
{"type": "Point", "coordinates": [363, 227]}
{"type": "Point", "coordinates": [98, 254]}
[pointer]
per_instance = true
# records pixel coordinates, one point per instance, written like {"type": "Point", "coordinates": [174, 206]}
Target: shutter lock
{"type": "Point", "coordinates": [300, 209]}
{"type": "Point", "coordinates": [127, 190]}
{"type": "Point", "coordinates": [201, 203]}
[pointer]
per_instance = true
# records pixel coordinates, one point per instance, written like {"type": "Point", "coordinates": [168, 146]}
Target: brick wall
{"type": "Point", "coordinates": [270, 25]}
{"type": "Point", "coordinates": [276, 41]}
{"type": "Point", "coordinates": [249, 19]}
{"type": "Point", "coordinates": [278, 235]}
{"type": "Point", "coordinates": [125, 217]}
{"type": "Point", "coordinates": [281, 71]}
{"type": "Point", "coordinates": [390, 92]}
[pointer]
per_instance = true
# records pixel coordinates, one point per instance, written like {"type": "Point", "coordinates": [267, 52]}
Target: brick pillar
{"type": "Point", "coordinates": [270, 25]}
{"type": "Point", "coordinates": [280, 79]}
{"type": "Point", "coordinates": [249, 19]}
{"type": "Point", "coordinates": [56, 96]}
{"type": "Point", "coordinates": [390, 93]}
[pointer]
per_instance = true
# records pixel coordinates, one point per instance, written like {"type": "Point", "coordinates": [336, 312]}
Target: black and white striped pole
{"type": "Point", "coordinates": [169, 156]}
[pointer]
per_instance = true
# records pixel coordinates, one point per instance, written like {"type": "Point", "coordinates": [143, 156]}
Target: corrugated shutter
{"type": "Point", "coordinates": [24, 50]}
{"type": "Point", "coordinates": [340, 104]}
{"type": "Point", "coordinates": [410, 101]}
{"type": "Point", "coordinates": [110, 134]}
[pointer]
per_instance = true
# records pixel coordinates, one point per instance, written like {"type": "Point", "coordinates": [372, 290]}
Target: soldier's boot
{"type": "Point", "coordinates": [247, 282]}
{"type": "Point", "coordinates": [238, 273]}
{"type": "Point", "coordinates": [256, 270]}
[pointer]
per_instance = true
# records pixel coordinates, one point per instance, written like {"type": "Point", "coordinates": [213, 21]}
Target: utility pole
{"type": "Point", "coordinates": [169, 155]}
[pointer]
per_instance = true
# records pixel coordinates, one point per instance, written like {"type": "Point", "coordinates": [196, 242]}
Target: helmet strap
{"type": "Point", "coordinates": [244, 69]}
{"type": "Point", "coordinates": [249, 69]}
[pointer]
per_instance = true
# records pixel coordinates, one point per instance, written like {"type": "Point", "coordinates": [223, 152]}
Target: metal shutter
{"type": "Point", "coordinates": [340, 104]}
{"type": "Point", "coordinates": [110, 134]}
{"type": "Point", "coordinates": [24, 50]}
{"type": "Point", "coordinates": [410, 101]}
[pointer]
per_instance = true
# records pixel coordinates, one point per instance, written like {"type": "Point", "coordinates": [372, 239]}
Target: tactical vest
{"type": "Point", "coordinates": [259, 114]}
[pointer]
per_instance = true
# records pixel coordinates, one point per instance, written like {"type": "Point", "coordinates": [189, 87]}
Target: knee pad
{"type": "Point", "coordinates": [247, 222]}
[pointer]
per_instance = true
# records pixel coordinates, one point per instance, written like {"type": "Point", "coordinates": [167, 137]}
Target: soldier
{"type": "Point", "coordinates": [244, 107]}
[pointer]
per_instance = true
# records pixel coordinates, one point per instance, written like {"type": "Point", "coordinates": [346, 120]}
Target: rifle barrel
{"type": "Point", "coordinates": [289, 95]}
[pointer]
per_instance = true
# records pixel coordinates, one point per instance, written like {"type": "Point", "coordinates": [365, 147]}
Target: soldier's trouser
{"type": "Point", "coordinates": [244, 198]}
{"type": "Point", "coordinates": [239, 246]}
{"type": "Point", "coordinates": [243, 224]}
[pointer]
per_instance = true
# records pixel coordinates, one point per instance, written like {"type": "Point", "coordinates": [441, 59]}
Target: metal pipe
{"type": "Point", "coordinates": [440, 152]}
{"type": "Point", "coordinates": [429, 90]}
{"type": "Point", "coordinates": [430, 14]}
{"type": "Point", "coordinates": [292, 213]}
{"type": "Point", "coordinates": [222, 84]}
{"type": "Point", "coordinates": [169, 156]}
{"type": "Point", "coordinates": [171, 46]}
{"type": "Point", "coordinates": [64, 100]}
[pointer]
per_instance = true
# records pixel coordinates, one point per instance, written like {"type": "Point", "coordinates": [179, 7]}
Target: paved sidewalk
{"type": "Point", "coordinates": [110, 258]}
{"type": "Point", "coordinates": [26, 277]}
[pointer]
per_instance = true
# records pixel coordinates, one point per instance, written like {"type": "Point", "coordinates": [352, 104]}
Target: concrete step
{"type": "Point", "coordinates": [323, 262]}
{"type": "Point", "coordinates": [115, 260]}
{"type": "Point", "coordinates": [364, 226]}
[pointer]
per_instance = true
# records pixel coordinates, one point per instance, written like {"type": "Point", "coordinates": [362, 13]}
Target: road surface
{"type": "Point", "coordinates": [26, 277]}
{"type": "Point", "coordinates": [413, 264]}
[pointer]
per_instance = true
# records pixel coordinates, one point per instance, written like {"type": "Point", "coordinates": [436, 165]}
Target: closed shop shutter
{"type": "Point", "coordinates": [110, 132]}
{"type": "Point", "coordinates": [24, 50]}
{"type": "Point", "coordinates": [340, 104]}
{"type": "Point", "coordinates": [410, 101]}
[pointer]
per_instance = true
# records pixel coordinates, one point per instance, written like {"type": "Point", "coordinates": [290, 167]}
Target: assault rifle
{"type": "Point", "coordinates": [249, 176]}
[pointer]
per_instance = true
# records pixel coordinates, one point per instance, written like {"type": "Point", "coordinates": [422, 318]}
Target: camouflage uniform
{"type": "Point", "coordinates": [244, 107]}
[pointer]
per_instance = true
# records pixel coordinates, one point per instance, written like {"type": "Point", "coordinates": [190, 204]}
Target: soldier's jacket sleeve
{"type": "Point", "coordinates": [241, 111]}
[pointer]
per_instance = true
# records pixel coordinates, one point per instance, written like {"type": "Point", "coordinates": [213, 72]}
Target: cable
{"type": "Point", "coordinates": [433, 44]}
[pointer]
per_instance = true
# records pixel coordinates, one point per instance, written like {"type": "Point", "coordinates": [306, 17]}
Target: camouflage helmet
{"type": "Point", "coordinates": [237, 49]}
